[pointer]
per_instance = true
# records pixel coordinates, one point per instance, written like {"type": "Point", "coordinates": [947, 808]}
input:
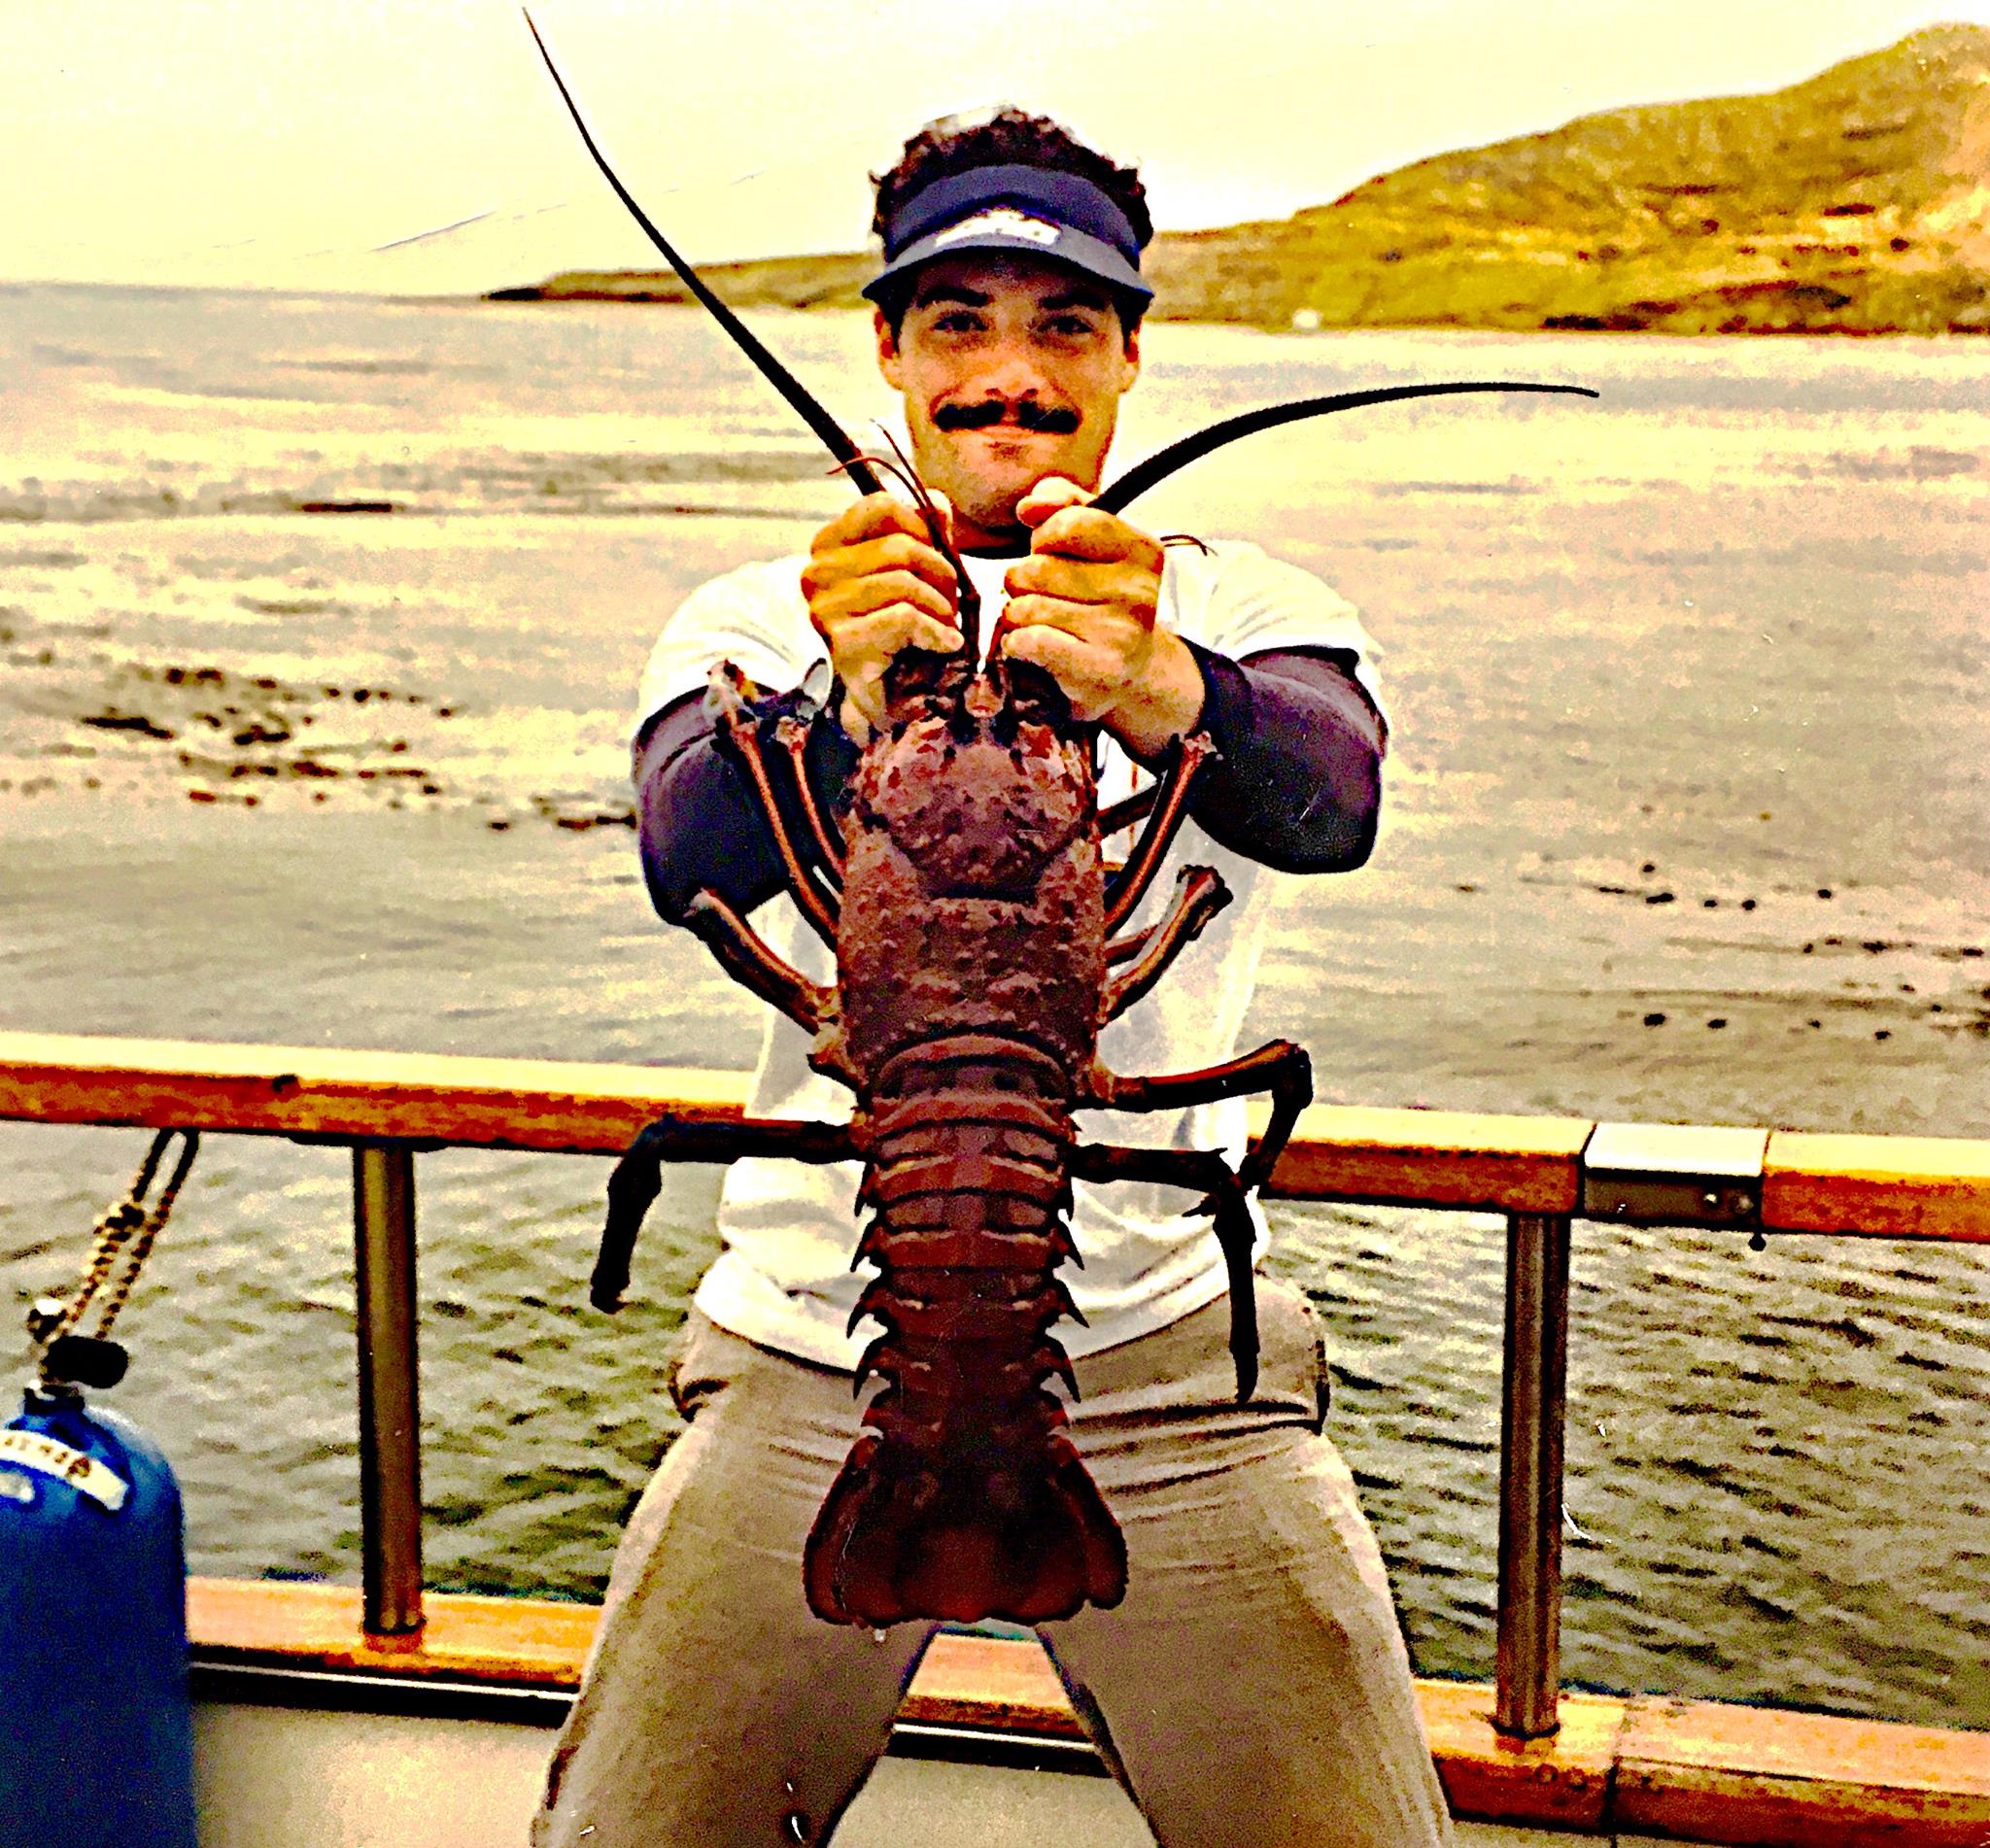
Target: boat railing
{"type": "Point", "coordinates": [1541, 1172]}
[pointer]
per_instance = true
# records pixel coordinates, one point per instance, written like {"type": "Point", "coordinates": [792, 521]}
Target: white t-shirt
{"type": "Point", "coordinates": [784, 1279]}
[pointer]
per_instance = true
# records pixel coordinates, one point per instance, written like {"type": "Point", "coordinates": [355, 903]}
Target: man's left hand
{"type": "Point", "coordinates": [1081, 606]}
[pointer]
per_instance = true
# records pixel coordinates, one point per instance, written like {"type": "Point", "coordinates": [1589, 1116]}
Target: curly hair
{"type": "Point", "coordinates": [1011, 137]}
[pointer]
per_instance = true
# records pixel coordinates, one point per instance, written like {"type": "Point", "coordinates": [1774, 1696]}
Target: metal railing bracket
{"type": "Point", "coordinates": [1669, 1174]}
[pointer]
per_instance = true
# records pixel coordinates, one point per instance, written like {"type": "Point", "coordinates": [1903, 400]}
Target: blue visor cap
{"type": "Point", "coordinates": [1023, 211]}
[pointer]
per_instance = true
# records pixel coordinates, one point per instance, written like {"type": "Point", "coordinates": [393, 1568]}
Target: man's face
{"type": "Point", "coordinates": [1012, 370]}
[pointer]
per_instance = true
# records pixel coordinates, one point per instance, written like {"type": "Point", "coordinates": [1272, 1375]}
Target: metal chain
{"type": "Point", "coordinates": [124, 1237]}
{"type": "Point", "coordinates": [140, 1245]}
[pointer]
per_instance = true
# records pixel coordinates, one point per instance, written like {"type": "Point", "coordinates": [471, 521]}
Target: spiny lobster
{"type": "Point", "coordinates": [974, 926]}
{"type": "Point", "coordinates": [975, 930]}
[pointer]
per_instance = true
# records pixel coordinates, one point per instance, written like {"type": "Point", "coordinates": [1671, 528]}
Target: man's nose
{"type": "Point", "coordinates": [1009, 372]}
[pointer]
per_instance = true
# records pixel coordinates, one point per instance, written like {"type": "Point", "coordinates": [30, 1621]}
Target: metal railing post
{"type": "Point", "coordinates": [389, 1408]}
{"type": "Point", "coordinates": [1533, 1409]}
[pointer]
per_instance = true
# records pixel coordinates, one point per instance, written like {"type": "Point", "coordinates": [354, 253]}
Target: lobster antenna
{"type": "Point", "coordinates": [1157, 468]}
{"type": "Point", "coordinates": [797, 394]}
{"type": "Point", "coordinates": [968, 611]}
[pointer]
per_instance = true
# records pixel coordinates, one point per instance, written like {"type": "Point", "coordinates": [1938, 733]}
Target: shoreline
{"type": "Point", "coordinates": [551, 293]}
{"type": "Point", "coordinates": [659, 289]}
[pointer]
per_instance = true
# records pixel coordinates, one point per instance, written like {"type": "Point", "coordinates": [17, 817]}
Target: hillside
{"type": "Point", "coordinates": [1856, 202]}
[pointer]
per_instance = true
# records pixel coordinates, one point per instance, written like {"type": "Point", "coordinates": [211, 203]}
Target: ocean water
{"type": "Point", "coordinates": [1686, 822]}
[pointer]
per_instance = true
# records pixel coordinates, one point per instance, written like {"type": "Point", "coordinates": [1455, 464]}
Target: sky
{"type": "Point", "coordinates": [330, 144]}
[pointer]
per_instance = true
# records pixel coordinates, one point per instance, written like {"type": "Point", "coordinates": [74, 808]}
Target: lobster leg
{"type": "Point", "coordinates": [1123, 949]}
{"type": "Point", "coordinates": [1280, 1067]}
{"type": "Point", "coordinates": [1199, 895]}
{"type": "Point", "coordinates": [1123, 814]}
{"type": "Point", "coordinates": [794, 738]}
{"type": "Point", "coordinates": [1224, 1195]}
{"type": "Point", "coordinates": [1171, 808]}
{"type": "Point", "coordinates": [638, 1176]}
{"type": "Point", "coordinates": [1116, 819]}
{"type": "Point", "coordinates": [752, 964]}
{"type": "Point", "coordinates": [741, 732]}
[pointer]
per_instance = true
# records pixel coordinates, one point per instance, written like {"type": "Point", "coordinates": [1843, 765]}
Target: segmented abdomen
{"type": "Point", "coordinates": [964, 1497]}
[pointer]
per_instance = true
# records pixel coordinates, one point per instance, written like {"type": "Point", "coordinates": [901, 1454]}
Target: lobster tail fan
{"type": "Point", "coordinates": [1099, 1534]}
{"type": "Point", "coordinates": [825, 1556]}
{"type": "Point", "coordinates": [1024, 1538]}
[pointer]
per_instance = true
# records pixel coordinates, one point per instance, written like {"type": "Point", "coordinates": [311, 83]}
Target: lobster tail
{"type": "Point", "coordinates": [964, 1497]}
{"type": "Point", "coordinates": [962, 1521]}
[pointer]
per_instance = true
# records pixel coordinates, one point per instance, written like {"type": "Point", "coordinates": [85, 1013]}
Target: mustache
{"type": "Point", "coordinates": [1027, 415]}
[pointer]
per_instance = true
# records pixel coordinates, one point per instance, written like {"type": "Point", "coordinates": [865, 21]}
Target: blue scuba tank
{"type": "Point", "coordinates": [97, 1738]}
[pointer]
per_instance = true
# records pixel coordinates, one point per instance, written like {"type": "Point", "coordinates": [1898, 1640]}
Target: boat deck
{"type": "Point", "coordinates": [360, 1780]}
{"type": "Point", "coordinates": [291, 1660]}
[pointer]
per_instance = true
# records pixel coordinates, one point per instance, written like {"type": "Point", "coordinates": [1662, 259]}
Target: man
{"type": "Point", "coordinates": [1252, 1686]}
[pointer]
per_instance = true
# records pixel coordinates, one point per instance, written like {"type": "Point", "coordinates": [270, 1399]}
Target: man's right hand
{"type": "Point", "coordinates": [876, 584]}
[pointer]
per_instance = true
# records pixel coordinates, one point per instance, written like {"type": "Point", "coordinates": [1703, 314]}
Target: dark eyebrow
{"type": "Point", "coordinates": [1080, 297]}
{"type": "Point", "coordinates": [951, 292]}
{"type": "Point", "coordinates": [1076, 298]}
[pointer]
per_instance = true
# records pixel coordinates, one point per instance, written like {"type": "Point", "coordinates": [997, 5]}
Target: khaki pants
{"type": "Point", "coordinates": [1251, 1692]}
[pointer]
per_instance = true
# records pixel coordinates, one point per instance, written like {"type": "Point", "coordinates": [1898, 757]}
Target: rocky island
{"type": "Point", "coordinates": [1856, 202]}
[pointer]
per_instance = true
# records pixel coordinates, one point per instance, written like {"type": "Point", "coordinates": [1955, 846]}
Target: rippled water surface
{"type": "Point", "coordinates": [1687, 822]}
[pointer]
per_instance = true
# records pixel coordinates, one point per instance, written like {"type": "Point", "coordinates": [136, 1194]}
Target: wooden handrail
{"type": "Point", "coordinates": [531, 1104]}
{"type": "Point", "coordinates": [1880, 1187]}
{"type": "Point", "coordinates": [1540, 1172]}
